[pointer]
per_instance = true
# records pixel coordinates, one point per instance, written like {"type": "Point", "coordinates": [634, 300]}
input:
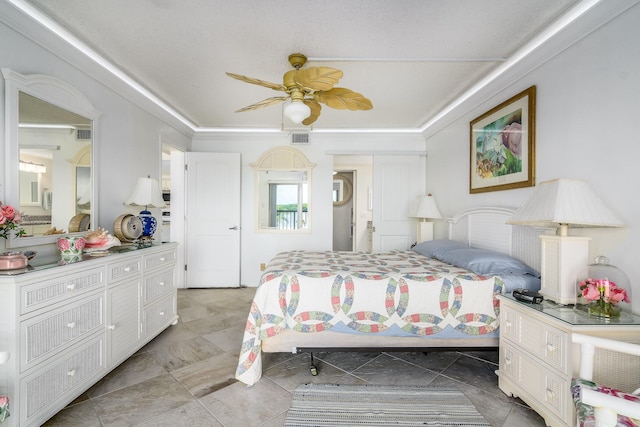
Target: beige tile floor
{"type": "Point", "coordinates": [185, 377]}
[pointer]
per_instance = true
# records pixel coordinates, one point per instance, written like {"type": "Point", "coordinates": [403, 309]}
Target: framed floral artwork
{"type": "Point", "coordinates": [503, 145]}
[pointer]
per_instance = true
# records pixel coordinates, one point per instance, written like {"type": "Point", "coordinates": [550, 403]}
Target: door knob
{"type": "Point", "coordinates": [235, 227]}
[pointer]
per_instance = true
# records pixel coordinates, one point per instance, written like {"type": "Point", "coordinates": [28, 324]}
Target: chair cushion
{"type": "Point", "coordinates": [584, 413]}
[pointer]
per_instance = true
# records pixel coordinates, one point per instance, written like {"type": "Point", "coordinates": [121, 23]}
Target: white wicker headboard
{"type": "Point", "coordinates": [486, 228]}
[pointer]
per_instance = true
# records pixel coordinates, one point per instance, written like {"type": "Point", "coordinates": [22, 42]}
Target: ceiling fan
{"type": "Point", "coordinates": [306, 89]}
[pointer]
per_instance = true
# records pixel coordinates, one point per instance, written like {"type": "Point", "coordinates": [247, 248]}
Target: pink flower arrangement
{"type": "Point", "coordinates": [603, 290]}
{"type": "Point", "coordinates": [9, 221]}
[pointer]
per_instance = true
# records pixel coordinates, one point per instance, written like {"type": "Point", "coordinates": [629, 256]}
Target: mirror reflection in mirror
{"type": "Point", "coordinates": [56, 144]}
{"type": "Point", "coordinates": [342, 189]}
{"type": "Point", "coordinates": [284, 200]}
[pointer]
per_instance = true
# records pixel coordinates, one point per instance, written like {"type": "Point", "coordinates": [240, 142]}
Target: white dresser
{"type": "Point", "coordinates": [66, 326]}
{"type": "Point", "coordinates": [538, 360]}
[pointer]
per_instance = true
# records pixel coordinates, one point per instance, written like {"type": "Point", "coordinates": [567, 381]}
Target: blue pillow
{"type": "Point", "coordinates": [436, 248]}
{"type": "Point", "coordinates": [486, 263]}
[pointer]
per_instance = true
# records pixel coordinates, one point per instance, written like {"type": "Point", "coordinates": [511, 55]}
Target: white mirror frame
{"type": "Point", "coordinates": [56, 92]}
{"type": "Point", "coordinates": [347, 189]}
{"type": "Point", "coordinates": [282, 159]}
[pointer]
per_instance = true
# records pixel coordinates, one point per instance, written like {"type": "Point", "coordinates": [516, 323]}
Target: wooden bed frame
{"type": "Point", "coordinates": [484, 228]}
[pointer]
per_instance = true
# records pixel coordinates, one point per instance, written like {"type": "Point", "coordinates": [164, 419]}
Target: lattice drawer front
{"type": "Point", "coordinates": [164, 258]}
{"type": "Point", "coordinates": [45, 334]}
{"type": "Point", "coordinates": [125, 269]}
{"type": "Point", "coordinates": [555, 348]}
{"type": "Point", "coordinates": [157, 285]}
{"type": "Point", "coordinates": [556, 394]}
{"type": "Point", "coordinates": [508, 325]}
{"type": "Point", "coordinates": [52, 290]}
{"type": "Point", "coordinates": [546, 342]}
{"type": "Point", "coordinates": [159, 314]}
{"type": "Point", "coordinates": [508, 361]}
{"type": "Point", "coordinates": [45, 388]}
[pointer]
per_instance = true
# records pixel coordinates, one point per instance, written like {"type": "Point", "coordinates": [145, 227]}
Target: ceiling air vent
{"type": "Point", "coordinates": [299, 138]}
{"type": "Point", "coordinates": [83, 134]}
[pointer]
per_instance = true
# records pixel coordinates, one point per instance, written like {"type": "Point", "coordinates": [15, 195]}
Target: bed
{"type": "Point", "coordinates": [441, 294]}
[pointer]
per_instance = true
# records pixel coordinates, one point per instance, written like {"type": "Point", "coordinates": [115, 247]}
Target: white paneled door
{"type": "Point", "coordinates": [397, 180]}
{"type": "Point", "coordinates": [213, 220]}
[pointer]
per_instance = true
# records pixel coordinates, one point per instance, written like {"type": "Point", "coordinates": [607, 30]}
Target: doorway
{"type": "Point", "coordinates": [343, 220]}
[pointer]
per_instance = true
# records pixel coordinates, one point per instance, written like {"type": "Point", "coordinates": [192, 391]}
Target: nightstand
{"type": "Point", "coordinates": [538, 360]}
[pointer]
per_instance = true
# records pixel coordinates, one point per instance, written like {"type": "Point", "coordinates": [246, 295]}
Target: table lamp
{"type": "Point", "coordinates": [147, 193]}
{"type": "Point", "coordinates": [563, 203]}
{"type": "Point", "coordinates": [425, 209]}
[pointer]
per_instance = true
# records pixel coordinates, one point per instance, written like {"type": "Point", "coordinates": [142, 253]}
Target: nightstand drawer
{"type": "Point", "coordinates": [43, 335]}
{"type": "Point", "coordinates": [546, 342]}
{"type": "Point", "coordinates": [543, 385]}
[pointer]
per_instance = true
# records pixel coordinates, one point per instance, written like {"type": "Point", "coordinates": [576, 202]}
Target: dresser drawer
{"type": "Point", "coordinates": [47, 387]}
{"type": "Point", "coordinates": [166, 258]}
{"type": "Point", "coordinates": [124, 269]}
{"type": "Point", "coordinates": [159, 314]}
{"type": "Point", "coordinates": [157, 284]}
{"type": "Point", "coordinates": [59, 288]}
{"type": "Point", "coordinates": [43, 335]}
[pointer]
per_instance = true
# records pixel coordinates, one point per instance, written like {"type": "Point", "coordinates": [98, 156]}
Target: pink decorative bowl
{"type": "Point", "coordinates": [13, 260]}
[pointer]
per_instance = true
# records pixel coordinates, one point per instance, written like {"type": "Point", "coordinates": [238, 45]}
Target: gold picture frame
{"type": "Point", "coordinates": [502, 142]}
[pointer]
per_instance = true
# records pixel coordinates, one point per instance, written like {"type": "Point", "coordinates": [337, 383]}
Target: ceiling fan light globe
{"type": "Point", "coordinates": [297, 111]}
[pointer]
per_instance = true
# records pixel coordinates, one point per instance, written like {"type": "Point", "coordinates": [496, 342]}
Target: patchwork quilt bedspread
{"type": "Point", "coordinates": [400, 293]}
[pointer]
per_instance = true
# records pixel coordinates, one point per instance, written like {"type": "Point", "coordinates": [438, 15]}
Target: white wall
{"type": "Point", "coordinates": [128, 136]}
{"type": "Point", "coordinates": [256, 247]}
{"type": "Point", "coordinates": [588, 127]}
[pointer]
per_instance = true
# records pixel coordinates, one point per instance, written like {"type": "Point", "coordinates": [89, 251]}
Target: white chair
{"type": "Point", "coordinates": [606, 402]}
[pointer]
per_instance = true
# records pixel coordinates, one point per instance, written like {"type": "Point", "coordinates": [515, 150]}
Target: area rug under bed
{"type": "Point", "coordinates": [373, 405]}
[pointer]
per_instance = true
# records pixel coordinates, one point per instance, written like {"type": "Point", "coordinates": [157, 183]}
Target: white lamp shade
{"type": "Point", "coordinates": [565, 202]}
{"type": "Point", "coordinates": [426, 208]}
{"type": "Point", "coordinates": [147, 193]}
{"type": "Point", "coordinates": [297, 111]}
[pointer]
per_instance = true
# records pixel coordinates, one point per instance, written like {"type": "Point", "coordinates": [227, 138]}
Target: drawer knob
{"type": "Point", "coordinates": [162, 259]}
{"type": "Point", "coordinates": [126, 269]}
{"type": "Point", "coordinates": [112, 327]}
{"type": "Point", "coordinates": [71, 325]}
{"type": "Point", "coordinates": [161, 283]}
{"type": "Point", "coordinates": [507, 362]}
{"type": "Point", "coordinates": [71, 372]}
{"type": "Point", "coordinates": [550, 394]}
{"type": "Point", "coordinates": [161, 313]}
{"type": "Point", "coordinates": [551, 348]}
{"type": "Point", "coordinates": [508, 323]}
{"type": "Point", "coordinates": [71, 286]}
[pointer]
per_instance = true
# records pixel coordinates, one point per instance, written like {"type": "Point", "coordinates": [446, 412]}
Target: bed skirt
{"type": "Point", "coordinates": [290, 341]}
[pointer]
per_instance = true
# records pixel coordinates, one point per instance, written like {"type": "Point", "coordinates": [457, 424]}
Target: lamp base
{"type": "Point", "coordinates": [149, 223]}
{"type": "Point", "coordinates": [563, 258]}
{"type": "Point", "coordinates": [425, 231]}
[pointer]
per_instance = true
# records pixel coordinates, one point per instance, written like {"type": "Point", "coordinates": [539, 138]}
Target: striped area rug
{"type": "Point", "coordinates": [373, 405]}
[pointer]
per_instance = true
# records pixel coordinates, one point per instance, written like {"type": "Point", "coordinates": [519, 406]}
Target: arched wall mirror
{"type": "Point", "coordinates": [49, 167]}
{"type": "Point", "coordinates": [282, 191]}
{"type": "Point", "coordinates": [342, 189]}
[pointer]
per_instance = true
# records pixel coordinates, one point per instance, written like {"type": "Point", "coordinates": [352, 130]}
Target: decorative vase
{"type": "Point", "coordinates": [601, 270]}
{"type": "Point", "coordinates": [603, 309]}
{"type": "Point", "coordinates": [149, 223]}
{"type": "Point", "coordinates": [71, 246]}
